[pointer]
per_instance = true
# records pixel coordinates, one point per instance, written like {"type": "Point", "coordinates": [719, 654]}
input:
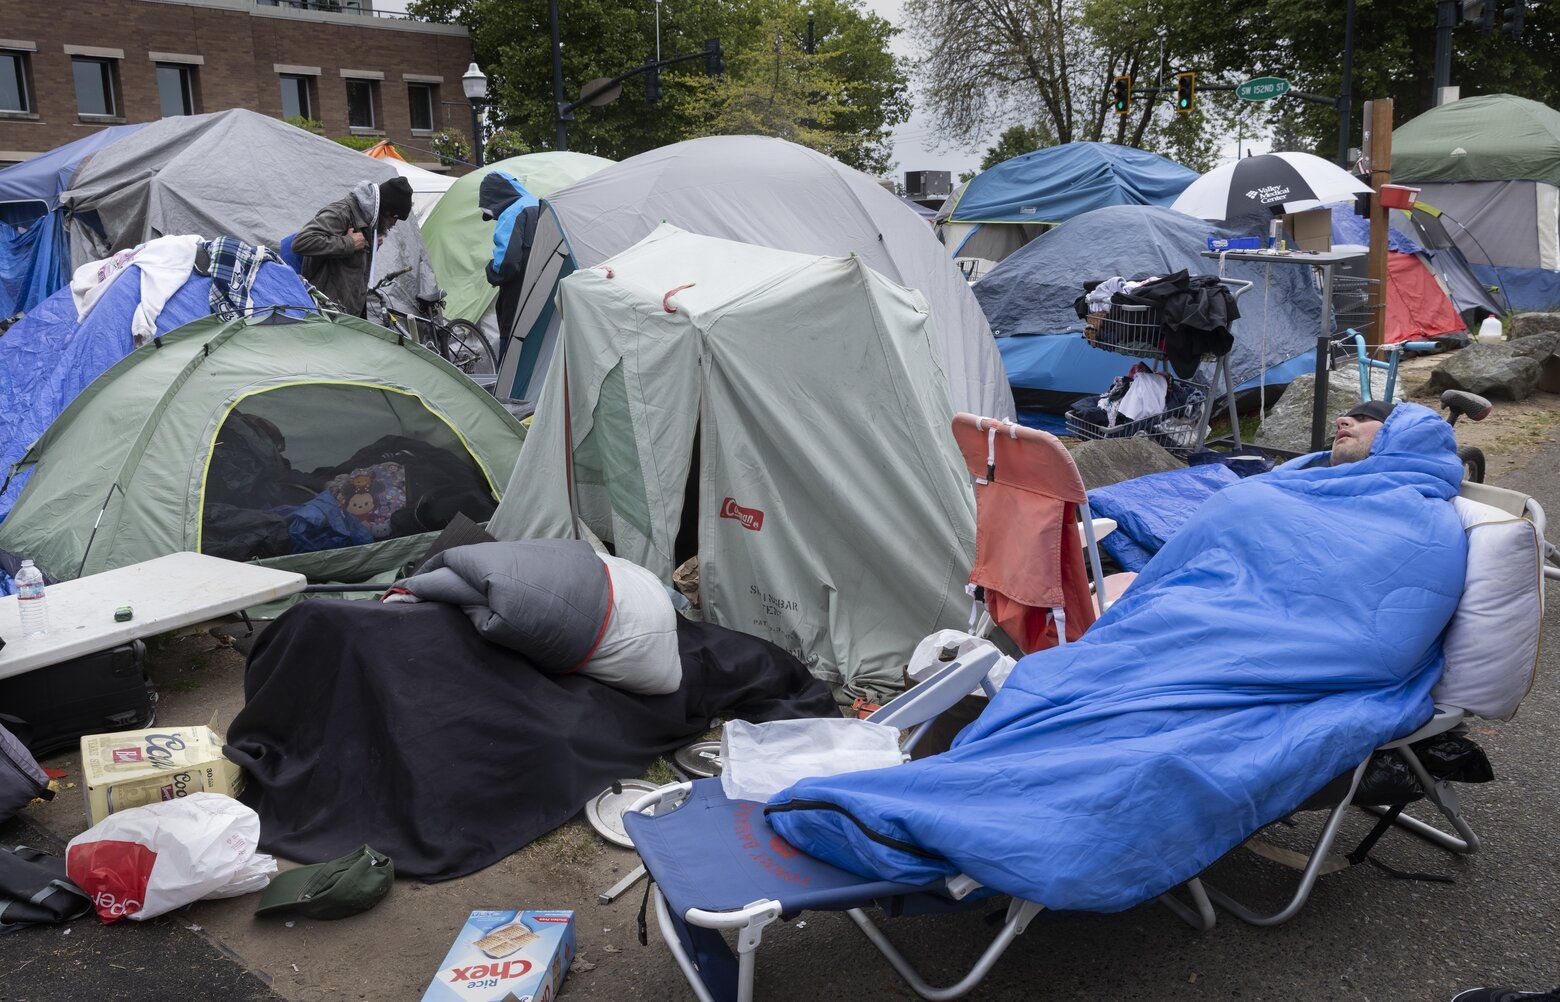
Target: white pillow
{"type": "Point", "coordinates": [638, 651]}
{"type": "Point", "coordinates": [1491, 644]}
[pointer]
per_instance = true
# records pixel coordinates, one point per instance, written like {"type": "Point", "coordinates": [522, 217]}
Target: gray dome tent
{"type": "Point", "coordinates": [1032, 292]}
{"type": "Point", "coordinates": [757, 190]}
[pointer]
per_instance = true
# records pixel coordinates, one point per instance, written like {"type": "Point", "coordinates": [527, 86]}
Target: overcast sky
{"type": "Point", "coordinates": [916, 142]}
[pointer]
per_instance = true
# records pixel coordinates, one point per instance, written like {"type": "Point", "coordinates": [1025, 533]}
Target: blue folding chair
{"type": "Point", "coordinates": [716, 864]}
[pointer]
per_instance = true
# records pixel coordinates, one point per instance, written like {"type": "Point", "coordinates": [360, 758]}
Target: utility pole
{"type": "Point", "coordinates": [1346, 91]}
{"type": "Point", "coordinates": [1446, 12]}
{"type": "Point", "coordinates": [562, 141]}
{"type": "Point", "coordinates": [1378, 137]}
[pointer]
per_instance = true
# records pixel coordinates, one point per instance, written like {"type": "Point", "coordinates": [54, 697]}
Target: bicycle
{"type": "Point", "coordinates": [1458, 403]}
{"type": "Point", "coordinates": [458, 342]}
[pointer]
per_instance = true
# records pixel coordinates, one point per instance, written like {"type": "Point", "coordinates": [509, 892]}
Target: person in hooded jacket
{"type": "Point", "coordinates": [337, 246]}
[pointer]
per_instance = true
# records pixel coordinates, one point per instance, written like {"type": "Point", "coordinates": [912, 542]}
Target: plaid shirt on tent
{"type": "Point", "coordinates": [234, 267]}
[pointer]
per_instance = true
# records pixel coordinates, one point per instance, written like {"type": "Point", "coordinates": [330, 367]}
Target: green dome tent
{"type": "Point", "coordinates": [460, 241]}
{"type": "Point", "coordinates": [322, 444]}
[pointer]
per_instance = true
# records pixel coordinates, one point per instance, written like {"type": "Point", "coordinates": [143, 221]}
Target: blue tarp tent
{"type": "Point", "coordinates": [1032, 293]}
{"type": "Point", "coordinates": [987, 218]}
{"type": "Point", "coordinates": [49, 356]}
{"type": "Point", "coordinates": [34, 258]}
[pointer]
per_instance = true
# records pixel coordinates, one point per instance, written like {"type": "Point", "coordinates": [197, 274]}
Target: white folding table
{"type": "Point", "coordinates": [164, 594]}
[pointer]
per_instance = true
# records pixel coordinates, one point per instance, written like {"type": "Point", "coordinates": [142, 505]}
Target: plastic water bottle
{"type": "Point", "coordinates": [29, 600]}
{"type": "Point", "coordinates": [1490, 331]}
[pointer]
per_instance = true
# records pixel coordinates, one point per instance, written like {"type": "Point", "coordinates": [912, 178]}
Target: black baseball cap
{"type": "Point", "coordinates": [1372, 410]}
{"type": "Point", "coordinates": [354, 883]}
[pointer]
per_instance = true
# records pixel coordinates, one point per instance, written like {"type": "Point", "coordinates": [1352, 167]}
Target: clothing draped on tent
{"type": "Point", "coordinates": [52, 354]}
{"type": "Point", "coordinates": [1236, 677]}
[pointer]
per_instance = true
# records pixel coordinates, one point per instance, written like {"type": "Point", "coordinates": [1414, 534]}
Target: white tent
{"type": "Point", "coordinates": [762, 191]}
{"type": "Point", "coordinates": [834, 517]}
{"type": "Point", "coordinates": [427, 186]}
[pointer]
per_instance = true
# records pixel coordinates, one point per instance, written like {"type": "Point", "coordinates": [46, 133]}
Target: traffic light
{"type": "Point", "coordinates": [652, 81]}
{"type": "Point", "coordinates": [1511, 19]}
{"type": "Point", "coordinates": [1185, 92]}
{"type": "Point", "coordinates": [1121, 96]}
{"type": "Point", "coordinates": [714, 57]}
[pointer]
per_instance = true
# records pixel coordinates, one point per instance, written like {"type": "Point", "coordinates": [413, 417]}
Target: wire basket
{"type": "Point", "coordinates": [1178, 429]}
{"type": "Point", "coordinates": [1351, 304]}
{"type": "Point", "coordinates": [1127, 330]}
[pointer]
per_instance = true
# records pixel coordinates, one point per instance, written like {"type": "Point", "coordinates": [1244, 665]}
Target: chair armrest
{"type": "Point", "coordinates": [1445, 718]}
{"type": "Point", "coordinates": [1102, 528]}
{"type": "Point", "coordinates": [931, 698]}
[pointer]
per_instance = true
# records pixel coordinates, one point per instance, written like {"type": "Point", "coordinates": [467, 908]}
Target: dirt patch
{"type": "Point", "coordinates": [1509, 436]}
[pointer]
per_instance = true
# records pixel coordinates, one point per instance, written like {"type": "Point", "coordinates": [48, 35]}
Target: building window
{"type": "Point", "coordinates": [15, 95]}
{"type": "Point", "coordinates": [176, 89]}
{"type": "Point", "coordinates": [360, 104]}
{"type": "Point", "coordinates": [422, 99]}
{"type": "Point", "coordinates": [97, 90]}
{"type": "Point", "coordinates": [297, 102]}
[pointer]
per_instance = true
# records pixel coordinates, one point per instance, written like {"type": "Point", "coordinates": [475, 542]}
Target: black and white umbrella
{"type": "Point", "coordinates": [1256, 186]}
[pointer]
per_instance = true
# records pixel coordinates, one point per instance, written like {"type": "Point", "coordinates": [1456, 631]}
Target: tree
{"type": "Point", "coordinates": [1394, 54]}
{"type": "Point", "coordinates": [1016, 140]}
{"type": "Point", "coordinates": [865, 90]}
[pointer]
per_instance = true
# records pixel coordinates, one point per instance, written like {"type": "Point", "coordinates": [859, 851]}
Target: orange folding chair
{"type": "Point", "coordinates": [1029, 576]}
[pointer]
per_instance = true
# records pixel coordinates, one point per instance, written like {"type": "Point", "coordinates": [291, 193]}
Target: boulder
{"type": "Point", "coordinates": [1497, 371]}
{"type": "Point", "coordinates": [1544, 349]}
{"type": "Point", "coordinates": [1288, 425]}
{"type": "Point", "coordinates": [1109, 461]}
{"type": "Point", "coordinates": [1527, 324]}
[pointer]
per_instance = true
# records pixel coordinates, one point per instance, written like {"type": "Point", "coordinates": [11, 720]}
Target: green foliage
{"type": "Point", "coordinates": [867, 96]}
{"type": "Point", "coordinates": [1016, 140]}
{"type": "Point", "coordinates": [1302, 40]}
{"type": "Point", "coordinates": [359, 143]}
{"type": "Point", "coordinates": [306, 124]}
{"type": "Point", "coordinates": [450, 146]}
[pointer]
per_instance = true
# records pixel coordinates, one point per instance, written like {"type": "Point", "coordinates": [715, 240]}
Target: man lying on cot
{"type": "Point", "coordinates": [1290, 627]}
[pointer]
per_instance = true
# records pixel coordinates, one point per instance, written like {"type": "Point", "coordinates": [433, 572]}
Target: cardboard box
{"type": "Point", "coordinates": [1310, 230]}
{"type": "Point", "coordinates": [131, 768]}
{"type": "Point", "coordinates": [502, 955]}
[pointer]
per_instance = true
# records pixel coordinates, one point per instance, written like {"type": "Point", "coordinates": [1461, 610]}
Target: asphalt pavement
{"type": "Point", "coordinates": [1364, 935]}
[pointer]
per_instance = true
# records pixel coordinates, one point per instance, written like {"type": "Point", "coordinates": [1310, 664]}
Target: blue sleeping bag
{"type": "Point", "coordinates": [1288, 629]}
{"type": "Point", "coordinates": [1149, 510]}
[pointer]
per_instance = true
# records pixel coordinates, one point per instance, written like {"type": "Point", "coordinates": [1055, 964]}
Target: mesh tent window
{"type": "Point", "coordinates": [317, 466]}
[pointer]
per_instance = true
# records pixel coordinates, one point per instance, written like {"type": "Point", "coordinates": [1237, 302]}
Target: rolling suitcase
{"type": "Point", "coordinates": [55, 706]}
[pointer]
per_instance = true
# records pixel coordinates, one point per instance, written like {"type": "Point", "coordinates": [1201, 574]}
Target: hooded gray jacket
{"type": "Point", "coordinates": [330, 261]}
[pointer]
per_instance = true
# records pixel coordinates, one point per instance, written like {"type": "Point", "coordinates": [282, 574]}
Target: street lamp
{"type": "Point", "coordinates": [474, 83]}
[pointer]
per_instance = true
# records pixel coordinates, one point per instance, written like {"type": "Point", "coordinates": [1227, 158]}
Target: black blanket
{"type": "Point", "coordinates": [397, 726]}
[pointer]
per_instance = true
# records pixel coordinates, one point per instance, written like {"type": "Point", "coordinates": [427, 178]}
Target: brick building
{"type": "Point", "coordinates": [69, 67]}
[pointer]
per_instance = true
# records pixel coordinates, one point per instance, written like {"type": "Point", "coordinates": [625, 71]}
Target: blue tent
{"type": "Point", "coordinates": [1032, 293]}
{"type": "Point", "coordinates": [1055, 184]}
{"type": "Point", "coordinates": [34, 258]}
{"type": "Point", "coordinates": [49, 356]}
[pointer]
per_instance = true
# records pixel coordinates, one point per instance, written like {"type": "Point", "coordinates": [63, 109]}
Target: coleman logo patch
{"type": "Point", "coordinates": [751, 518]}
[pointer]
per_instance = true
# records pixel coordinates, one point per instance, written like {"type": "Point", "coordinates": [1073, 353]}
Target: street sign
{"type": "Point", "coordinates": [1262, 89]}
{"type": "Point", "coordinates": [600, 97]}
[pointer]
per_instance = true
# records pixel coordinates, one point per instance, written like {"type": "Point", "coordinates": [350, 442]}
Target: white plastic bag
{"type": "Point", "coordinates": [760, 760]}
{"type": "Point", "coordinates": [142, 862]}
{"type": "Point", "coordinates": [924, 662]}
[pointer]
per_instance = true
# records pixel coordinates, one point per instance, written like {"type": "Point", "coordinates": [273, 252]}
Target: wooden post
{"type": "Point", "coordinates": [1379, 123]}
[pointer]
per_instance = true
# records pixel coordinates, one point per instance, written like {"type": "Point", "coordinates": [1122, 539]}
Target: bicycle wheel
{"type": "Point", "coordinates": [468, 350]}
{"type": "Point", "coordinates": [1473, 463]}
